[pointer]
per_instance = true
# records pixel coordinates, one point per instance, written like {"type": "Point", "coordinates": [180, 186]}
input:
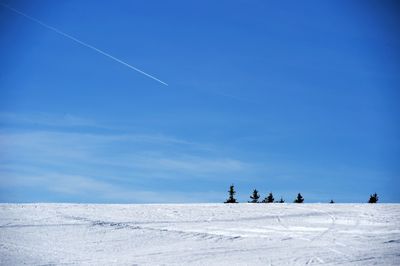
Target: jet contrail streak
{"type": "Point", "coordinates": [81, 42]}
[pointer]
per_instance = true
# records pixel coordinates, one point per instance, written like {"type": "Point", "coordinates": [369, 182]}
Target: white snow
{"type": "Point", "coordinates": [200, 234]}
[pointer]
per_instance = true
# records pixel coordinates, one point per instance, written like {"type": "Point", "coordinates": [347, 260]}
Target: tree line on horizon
{"type": "Point", "coordinates": [255, 196]}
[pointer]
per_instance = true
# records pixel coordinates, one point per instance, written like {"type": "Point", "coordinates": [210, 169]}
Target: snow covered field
{"type": "Point", "coordinates": [200, 234]}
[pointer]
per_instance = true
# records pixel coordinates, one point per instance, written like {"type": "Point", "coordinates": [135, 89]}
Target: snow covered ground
{"type": "Point", "coordinates": [200, 234]}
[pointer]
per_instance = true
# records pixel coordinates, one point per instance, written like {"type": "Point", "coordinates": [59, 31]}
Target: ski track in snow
{"type": "Point", "coordinates": [200, 234]}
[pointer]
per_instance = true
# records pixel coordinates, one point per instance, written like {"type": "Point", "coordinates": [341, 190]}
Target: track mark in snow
{"type": "Point", "coordinates": [329, 229]}
{"type": "Point", "coordinates": [315, 260]}
{"type": "Point", "coordinates": [392, 241]}
{"type": "Point", "coordinates": [287, 228]}
{"type": "Point", "coordinates": [319, 236]}
{"type": "Point", "coordinates": [336, 251]}
{"type": "Point", "coordinates": [181, 233]}
{"type": "Point", "coordinates": [39, 225]}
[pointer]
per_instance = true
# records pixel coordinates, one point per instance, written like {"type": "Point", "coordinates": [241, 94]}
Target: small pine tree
{"type": "Point", "coordinates": [232, 193]}
{"type": "Point", "coordinates": [281, 200]}
{"type": "Point", "coordinates": [373, 198]}
{"type": "Point", "coordinates": [331, 202]}
{"type": "Point", "coordinates": [254, 198]}
{"type": "Point", "coordinates": [269, 198]}
{"type": "Point", "coordinates": [299, 199]}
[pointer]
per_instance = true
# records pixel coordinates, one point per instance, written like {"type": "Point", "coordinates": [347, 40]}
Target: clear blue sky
{"type": "Point", "coordinates": [288, 97]}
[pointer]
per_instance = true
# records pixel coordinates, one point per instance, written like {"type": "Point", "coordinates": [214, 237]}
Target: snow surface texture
{"type": "Point", "coordinates": [200, 234]}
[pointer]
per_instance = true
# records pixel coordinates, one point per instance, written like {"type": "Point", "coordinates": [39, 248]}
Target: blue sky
{"type": "Point", "coordinates": [288, 97]}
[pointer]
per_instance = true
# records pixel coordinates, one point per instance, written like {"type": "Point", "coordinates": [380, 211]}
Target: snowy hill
{"type": "Point", "coordinates": [200, 234]}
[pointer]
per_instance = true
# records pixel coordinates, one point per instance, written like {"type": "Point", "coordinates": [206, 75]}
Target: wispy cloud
{"type": "Point", "coordinates": [70, 121]}
{"type": "Point", "coordinates": [70, 161]}
{"type": "Point", "coordinates": [46, 119]}
{"type": "Point", "coordinates": [78, 188]}
{"type": "Point", "coordinates": [133, 151]}
{"type": "Point", "coordinates": [200, 165]}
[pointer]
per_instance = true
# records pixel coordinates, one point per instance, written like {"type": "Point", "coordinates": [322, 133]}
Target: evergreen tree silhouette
{"type": "Point", "coordinates": [269, 198]}
{"type": "Point", "coordinates": [232, 193]}
{"type": "Point", "coordinates": [299, 199]}
{"type": "Point", "coordinates": [281, 200]}
{"type": "Point", "coordinates": [254, 197]}
{"type": "Point", "coordinates": [373, 198]}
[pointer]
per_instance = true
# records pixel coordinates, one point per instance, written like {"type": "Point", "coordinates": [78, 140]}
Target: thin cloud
{"type": "Point", "coordinates": [71, 121]}
{"type": "Point", "coordinates": [79, 187]}
{"type": "Point", "coordinates": [144, 155]}
{"type": "Point", "coordinates": [46, 119]}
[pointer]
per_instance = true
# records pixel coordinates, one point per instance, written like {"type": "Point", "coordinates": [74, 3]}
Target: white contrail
{"type": "Point", "coordinates": [81, 42]}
